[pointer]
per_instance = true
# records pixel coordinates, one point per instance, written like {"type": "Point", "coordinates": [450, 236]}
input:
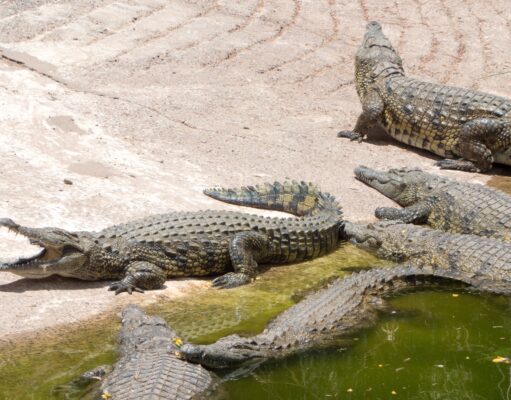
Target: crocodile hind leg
{"type": "Point", "coordinates": [245, 249]}
{"type": "Point", "coordinates": [372, 110]}
{"type": "Point", "coordinates": [140, 275]}
{"type": "Point", "coordinates": [473, 144]}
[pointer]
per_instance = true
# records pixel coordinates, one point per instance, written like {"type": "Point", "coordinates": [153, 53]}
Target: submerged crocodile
{"type": "Point", "coordinates": [145, 252]}
{"type": "Point", "coordinates": [442, 203]}
{"type": "Point", "coordinates": [448, 121]}
{"type": "Point", "coordinates": [148, 367]}
{"type": "Point", "coordinates": [352, 303]}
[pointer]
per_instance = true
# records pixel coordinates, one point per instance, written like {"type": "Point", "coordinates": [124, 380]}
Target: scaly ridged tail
{"type": "Point", "coordinates": [297, 198]}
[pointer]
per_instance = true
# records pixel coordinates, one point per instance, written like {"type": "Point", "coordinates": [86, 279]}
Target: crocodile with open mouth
{"type": "Point", "coordinates": [145, 252]}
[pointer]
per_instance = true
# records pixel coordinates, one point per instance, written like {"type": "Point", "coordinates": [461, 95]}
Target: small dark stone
{"type": "Point", "coordinates": [68, 182]}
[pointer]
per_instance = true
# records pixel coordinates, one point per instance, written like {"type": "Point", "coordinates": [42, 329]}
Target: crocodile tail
{"type": "Point", "coordinates": [297, 198]}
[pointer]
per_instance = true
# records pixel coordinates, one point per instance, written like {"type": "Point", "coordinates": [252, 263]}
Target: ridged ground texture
{"type": "Point", "coordinates": [142, 104]}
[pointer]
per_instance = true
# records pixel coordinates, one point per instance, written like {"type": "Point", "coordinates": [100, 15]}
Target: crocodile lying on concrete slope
{"type": "Point", "coordinates": [145, 252]}
{"type": "Point", "coordinates": [352, 303]}
{"type": "Point", "coordinates": [448, 121]}
{"type": "Point", "coordinates": [148, 367]}
{"type": "Point", "coordinates": [442, 203]}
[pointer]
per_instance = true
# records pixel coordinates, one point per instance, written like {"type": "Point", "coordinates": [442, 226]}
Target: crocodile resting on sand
{"type": "Point", "coordinates": [145, 252]}
{"type": "Point", "coordinates": [352, 303]}
{"type": "Point", "coordinates": [442, 203]}
{"type": "Point", "coordinates": [448, 121]}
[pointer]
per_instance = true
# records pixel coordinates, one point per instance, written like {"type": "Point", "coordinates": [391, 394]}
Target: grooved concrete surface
{"type": "Point", "coordinates": [141, 104]}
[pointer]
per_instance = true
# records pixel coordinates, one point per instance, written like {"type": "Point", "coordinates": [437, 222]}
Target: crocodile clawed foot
{"type": "Point", "coordinates": [460, 165]}
{"type": "Point", "coordinates": [122, 286]}
{"type": "Point", "coordinates": [351, 135]}
{"type": "Point", "coordinates": [230, 280]}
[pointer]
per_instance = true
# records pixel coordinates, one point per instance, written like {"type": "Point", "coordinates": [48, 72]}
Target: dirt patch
{"type": "Point", "coordinates": [66, 124]}
{"type": "Point", "coordinates": [92, 168]}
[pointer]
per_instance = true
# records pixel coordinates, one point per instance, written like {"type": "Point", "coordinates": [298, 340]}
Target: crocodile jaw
{"type": "Point", "coordinates": [376, 58]}
{"type": "Point", "coordinates": [60, 252]}
{"type": "Point", "coordinates": [38, 267]}
{"type": "Point", "coordinates": [363, 235]}
{"type": "Point", "coordinates": [382, 181]}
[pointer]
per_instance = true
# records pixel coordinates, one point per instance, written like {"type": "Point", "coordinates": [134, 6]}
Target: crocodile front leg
{"type": "Point", "coordinates": [417, 213]}
{"type": "Point", "coordinates": [473, 144]}
{"type": "Point", "coordinates": [140, 275]}
{"type": "Point", "coordinates": [245, 249]}
{"type": "Point", "coordinates": [372, 110]}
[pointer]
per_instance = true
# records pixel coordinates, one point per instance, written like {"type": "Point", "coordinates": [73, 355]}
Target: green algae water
{"type": "Point", "coordinates": [435, 346]}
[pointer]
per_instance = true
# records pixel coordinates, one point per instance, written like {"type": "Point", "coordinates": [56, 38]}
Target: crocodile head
{"type": "Point", "coordinates": [391, 240]}
{"type": "Point", "coordinates": [376, 58]}
{"type": "Point", "coordinates": [228, 352]}
{"type": "Point", "coordinates": [405, 186]}
{"type": "Point", "coordinates": [362, 235]}
{"type": "Point", "coordinates": [62, 253]}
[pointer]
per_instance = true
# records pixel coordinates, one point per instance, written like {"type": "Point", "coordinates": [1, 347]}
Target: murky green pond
{"type": "Point", "coordinates": [435, 346]}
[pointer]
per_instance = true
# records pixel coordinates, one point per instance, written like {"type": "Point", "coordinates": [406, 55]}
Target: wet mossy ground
{"type": "Point", "coordinates": [31, 368]}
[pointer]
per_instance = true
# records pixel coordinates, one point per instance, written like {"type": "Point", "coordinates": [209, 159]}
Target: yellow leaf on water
{"type": "Point", "coordinates": [501, 360]}
{"type": "Point", "coordinates": [455, 295]}
{"type": "Point", "coordinates": [177, 341]}
{"type": "Point", "coordinates": [350, 390]}
{"type": "Point", "coordinates": [393, 392]}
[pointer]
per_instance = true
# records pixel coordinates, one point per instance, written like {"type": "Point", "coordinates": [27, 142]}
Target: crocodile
{"type": "Point", "coordinates": [470, 129]}
{"type": "Point", "coordinates": [442, 203]}
{"type": "Point", "coordinates": [142, 254]}
{"type": "Point", "coordinates": [148, 367]}
{"type": "Point", "coordinates": [353, 302]}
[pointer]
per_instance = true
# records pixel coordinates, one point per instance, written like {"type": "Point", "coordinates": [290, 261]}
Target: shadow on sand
{"type": "Point", "coordinates": [51, 283]}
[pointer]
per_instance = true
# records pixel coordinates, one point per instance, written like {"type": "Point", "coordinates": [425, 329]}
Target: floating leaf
{"type": "Point", "coordinates": [501, 360]}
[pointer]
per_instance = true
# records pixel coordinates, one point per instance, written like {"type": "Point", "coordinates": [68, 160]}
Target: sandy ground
{"type": "Point", "coordinates": [140, 104]}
